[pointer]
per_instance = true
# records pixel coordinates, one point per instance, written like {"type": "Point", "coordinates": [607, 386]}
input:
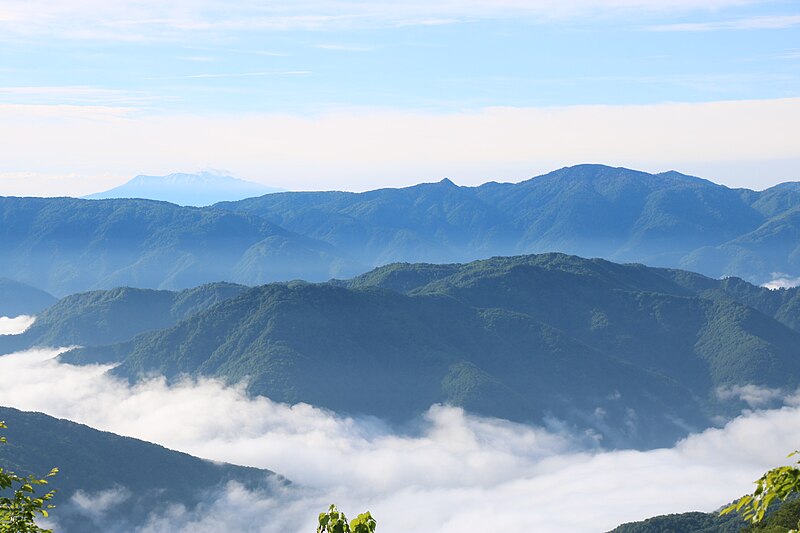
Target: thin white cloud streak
{"type": "Point", "coordinates": [75, 95]}
{"type": "Point", "coordinates": [343, 47]}
{"type": "Point", "coordinates": [15, 325]}
{"type": "Point", "coordinates": [235, 75]}
{"type": "Point", "coordinates": [751, 23]}
{"type": "Point", "coordinates": [457, 473]}
{"type": "Point", "coordinates": [363, 148]}
{"type": "Point", "coordinates": [148, 19]}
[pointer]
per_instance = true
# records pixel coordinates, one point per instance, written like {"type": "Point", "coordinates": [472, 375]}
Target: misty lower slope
{"type": "Point", "coordinates": [635, 355]}
{"type": "Point", "coordinates": [65, 245]}
{"type": "Point", "coordinates": [116, 315]}
{"type": "Point", "coordinates": [111, 483]}
{"type": "Point", "coordinates": [22, 299]}
{"type": "Point", "coordinates": [667, 219]}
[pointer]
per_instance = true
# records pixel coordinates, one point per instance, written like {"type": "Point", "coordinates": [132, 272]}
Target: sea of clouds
{"type": "Point", "coordinates": [450, 472]}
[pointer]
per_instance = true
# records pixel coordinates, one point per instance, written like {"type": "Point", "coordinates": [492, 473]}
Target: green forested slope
{"type": "Point", "coordinates": [116, 315]}
{"type": "Point", "coordinates": [624, 350]}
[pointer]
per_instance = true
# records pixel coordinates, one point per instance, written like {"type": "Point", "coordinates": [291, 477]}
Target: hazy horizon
{"type": "Point", "coordinates": [357, 96]}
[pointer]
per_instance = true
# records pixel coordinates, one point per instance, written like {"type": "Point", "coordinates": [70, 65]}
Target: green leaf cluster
{"type": "Point", "coordinates": [775, 485]}
{"type": "Point", "coordinates": [334, 521]}
{"type": "Point", "coordinates": [19, 509]}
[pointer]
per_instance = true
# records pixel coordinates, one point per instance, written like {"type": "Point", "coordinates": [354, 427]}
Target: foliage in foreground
{"type": "Point", "coordinates": [334, 521]}
{"type": "Point", "coordinates": [18, 511]}
{"type": "Point", "coordinates": [775, 485]}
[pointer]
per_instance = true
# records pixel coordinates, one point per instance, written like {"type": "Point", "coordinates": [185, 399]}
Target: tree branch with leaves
{"type": "Point", "coordinates": [334, 521]}
{"type": "Point", "coordinates": [775, 485]}
{"type": "Point", "coordinates": [19, 505]}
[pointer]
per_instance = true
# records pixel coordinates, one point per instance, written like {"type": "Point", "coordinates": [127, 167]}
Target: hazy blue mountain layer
{"type": "Point", "coordinates": [115, 315]}
{"type": "Point", "coordinates": [667, 219]}
{"type": "Point", "coordinates": [22, 299]}
{"type": "Point", "coordinates": [634, 354]}
{"type": "Point", "coordinates": [65, 245]}
{"type": "Point", "coordinates": [198, 189]}
{"type": "Point", "coordinates": [137, 477]}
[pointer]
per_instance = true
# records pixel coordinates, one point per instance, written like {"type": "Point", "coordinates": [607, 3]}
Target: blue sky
{"type": "Point", "coordinates": [93, 92]}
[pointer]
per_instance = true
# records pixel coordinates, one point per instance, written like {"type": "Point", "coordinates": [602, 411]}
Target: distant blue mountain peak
{"type": "Point", "coordinates": [189, 189]}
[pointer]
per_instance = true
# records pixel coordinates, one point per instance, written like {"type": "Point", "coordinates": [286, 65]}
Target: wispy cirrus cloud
{"type": "Point", "coordinates": [234, 75]}
{"type": "Point", "coordinates": [343, 47]}
{"type": "Point", "coordinates": [751, 23]}
{"type": "Point", "coordinates": [129, 19]}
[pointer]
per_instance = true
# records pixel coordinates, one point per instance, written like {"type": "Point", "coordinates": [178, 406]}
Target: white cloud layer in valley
{"type": "Point", "coordinates": [453, 472]}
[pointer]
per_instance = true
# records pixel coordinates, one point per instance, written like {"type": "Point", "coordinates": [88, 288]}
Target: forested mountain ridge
{"type": "Point", "coordinates": [115, 315]}
{"type": "Point", "coordinates": [633, 353]}
{"type": "Point", "coordinates": [138, 478]}
{"type": "Point", "coordinates": [667, 219]}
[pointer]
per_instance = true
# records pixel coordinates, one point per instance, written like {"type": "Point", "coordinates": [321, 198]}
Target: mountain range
{"type": "Point", "coordinates": [198, 189]}
{"type": "Point", "coordinates": [637, 355]}
{"type": "Point", "coordinates": [65, 245]}
{"type": "Point", "coordinates": [667, 219]}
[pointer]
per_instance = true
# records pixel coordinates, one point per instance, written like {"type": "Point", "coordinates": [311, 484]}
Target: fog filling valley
{"type": "Point", "coordinates": [451, 472]}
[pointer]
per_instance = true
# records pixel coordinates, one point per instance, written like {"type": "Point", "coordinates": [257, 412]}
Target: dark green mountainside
{"type": "Point", "coordinates": [143, 478]}
{"type": "Point", "coordinates": [116, 315]}
{"type": "Point", "coordinates": [632, 353]}
{"type": "Point", "coordinates": [781, 517]}
{"type": "Point", "coordinates": [667, 219]}
{"type": "Point", "coordinates": [21, 299]}
{"type": "Point", "coordinates": [692, 522]}
{"type": "Point", "coordinates": [65, 245]}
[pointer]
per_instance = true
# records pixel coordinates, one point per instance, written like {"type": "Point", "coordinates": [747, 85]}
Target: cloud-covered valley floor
{"type": "Point", "coordinates": [452, 472]}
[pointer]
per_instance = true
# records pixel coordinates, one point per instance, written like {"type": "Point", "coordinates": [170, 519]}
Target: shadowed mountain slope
{"type": "Point", "coordinates": [123, 480]}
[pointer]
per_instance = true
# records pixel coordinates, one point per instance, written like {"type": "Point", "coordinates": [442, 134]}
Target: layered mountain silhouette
{"type": "Point", "coordinates": [636, 355]}
{"type": "Point", "coordinates": [667, 219]}
{"type": "Point", "coordinates": [64, 245]}
{"type": "Point", "coordinates": [121, 480]}
{"type": "Point", "coordinates": [198, 189]}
